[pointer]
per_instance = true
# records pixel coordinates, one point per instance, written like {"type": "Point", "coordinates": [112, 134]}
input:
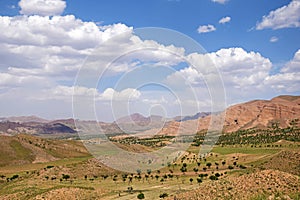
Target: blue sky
{"type": "Point", "coordinates": [254, 46]}
{"type": "Point", "coordinates": [186, 15]}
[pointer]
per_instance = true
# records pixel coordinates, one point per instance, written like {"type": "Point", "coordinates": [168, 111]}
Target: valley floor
{"type": "Point", "coordinates": [229, 172]}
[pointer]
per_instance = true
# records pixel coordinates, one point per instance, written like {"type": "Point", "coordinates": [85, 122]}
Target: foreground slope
{"type": "Point", "coordinates": [26, 149]}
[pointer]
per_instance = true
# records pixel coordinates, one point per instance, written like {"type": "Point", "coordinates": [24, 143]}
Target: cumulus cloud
{"type": "Point", "coordinates": [12, 81]}
{"type": "Point", "coordinates": [287, 16]}
{"type": "Point", "coordinates": [62, 92]}
{"type": "Point", "coordinates": [242, 73]}
{"type": "Point", "coordinates": [220, 1]}
{"type": "Point", "coordinates": [124, 95]}
{"type": "Point", "coordinates": [224, 20]}
{"type": "Point", "coordinates": [42, 7]}
{"type": "Point", "coordinates": [288, 79]}
{"type": "Point", "coordinates": [273, 39]}
{"type": "Point", "coordinates": [293, 65]}
{"type": "Point", "coordinates": [57, 46]}
{"type": "Point", "coordinates": [206, 28]}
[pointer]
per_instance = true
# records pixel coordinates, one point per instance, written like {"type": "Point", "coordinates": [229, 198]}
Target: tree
{"type": "Point", "coordinates": [213, 178]}
{"type": "Point", "coordinates": [199, 180]}
{"type": "Point", "coordinates": [130, 179]}
{"type": "Point", "coordinates": [163, 195]}
{"type": "Point", "coordinates": [223, 162]}
{"type": "Point", "coordinates": [183, 169]}
{"type": "Point", "coordinates": [208, 164]}
{"type": "Point", "coordinates": [65, 176]}
{"type": "Point", "coordinates": [129, 189]}
{"type": "Point", "coordinates": [156, 176]}
{"type": "Point", "coordinates": [141, 196]}
{"type": "Point", "coordinates": [14, 177]}
{"type": "Point", "coordinates": [148, 171]}
{"type": "Point", "coordinates": [191, 180]}
{"type": "Point", "coordinates": [195, 170]}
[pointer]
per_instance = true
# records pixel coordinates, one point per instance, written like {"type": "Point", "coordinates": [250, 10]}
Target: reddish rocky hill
{"type": "Point", "coordinates": [281, 111]}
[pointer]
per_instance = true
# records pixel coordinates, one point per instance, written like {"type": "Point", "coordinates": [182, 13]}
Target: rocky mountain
{"type": "Point", "coordinates": [137, 122]}
{"type": "Point", "coordinates": [7, 127]}
{"type": "Point", "coordinates": [192, 117]}
{"type": "Point", "coordinates": [24, 119]}
{"type": "Point", "coordinates": [281, 112]}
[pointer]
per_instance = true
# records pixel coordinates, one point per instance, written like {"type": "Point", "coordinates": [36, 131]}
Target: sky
{"type": "Point", "coordinates": [96, 60]}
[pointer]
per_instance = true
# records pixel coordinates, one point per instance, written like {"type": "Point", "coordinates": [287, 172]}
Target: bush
{"type": "Point", "coordinates": [141, 196]}
{"type": "Point", "coordinates": [163, 195]}
{"type": "Point", "coordinates": [65, 176]}
{"type": "Point", "coordinates": [213, 178]}
{"type": "Point", "coordinates": [199, 180]}
{"type": "Point", "coordinates": [14, 177]}
{"type": "Point", "coordinates": [242, 167]}
{"type": "Point", "coordinates": [230, 167]}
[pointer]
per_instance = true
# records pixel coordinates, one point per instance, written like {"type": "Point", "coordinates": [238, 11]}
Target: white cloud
{"type": "Point", "coordinates": [62, 92]}
{"type": "Point", "coordinates": [287, 16]}
{"type": "Point", "coordinates": [220, 1]}
{"type": "Point", "coordinates": [242, 72]}
{"type": "Point", "coordinates": [293, 65]}
{"type": "Point", "coordinates": [12, 81]}
{"type": "Point", "coordinates": [224, 20]}
{"type": "Point", "coordinates": [206, 28]}
{"type": "Point", "coordinates": [273, 39]}
{"type": "Point", "coordinates": [57, 46]}
{"type": "Point", "coordinates": [288, 79]}
{"type": "Point", "coordinates": [124, 95]}
{"type": "Point", "coordinates": [42, 7]}
{"type": "Point", "coordinates": [284, 82]}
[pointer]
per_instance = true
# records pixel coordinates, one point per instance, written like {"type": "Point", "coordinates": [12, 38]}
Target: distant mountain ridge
{"type": "Point", "coordinates": [281, 111]}
{"type": "Point", "coordinates": [192, 117]}
{"type": "Point", "coordinates": [24, 119]}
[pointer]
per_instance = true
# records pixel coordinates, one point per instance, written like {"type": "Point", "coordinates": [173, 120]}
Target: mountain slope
{"type": "Point", "coordinates": [24, 149]}
{"type": "Point", "coordinates": [281, 111]}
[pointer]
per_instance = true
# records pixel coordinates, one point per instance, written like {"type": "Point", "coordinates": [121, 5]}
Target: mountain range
{"type": "Point", "coordinates": [281, 111]}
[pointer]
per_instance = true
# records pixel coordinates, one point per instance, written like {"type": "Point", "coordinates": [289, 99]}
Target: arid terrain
{"type": "Point", "coordinates": [256, 157]}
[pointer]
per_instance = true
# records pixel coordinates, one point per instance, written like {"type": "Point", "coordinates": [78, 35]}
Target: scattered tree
{"type": "Point", "coordinates": [163, 195]}
{"type": "Point", "coordinates": [141, 196]}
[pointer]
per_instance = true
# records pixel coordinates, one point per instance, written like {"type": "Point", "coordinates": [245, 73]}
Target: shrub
{"type": "Point", "coordinates": [199, 180]}
{"type": "Point", "coordinates": [65, 176]}
{"type": "Point", "coordinates": [163, 195]}
{"type": "Point", "coordinates": [213, 178]}
{"type": "Point", "coordinates": [242, 167]}
{"type": "Point", "coordinates": [141, 196]}
{"type": "Point", "coordinates": [14, 177]}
